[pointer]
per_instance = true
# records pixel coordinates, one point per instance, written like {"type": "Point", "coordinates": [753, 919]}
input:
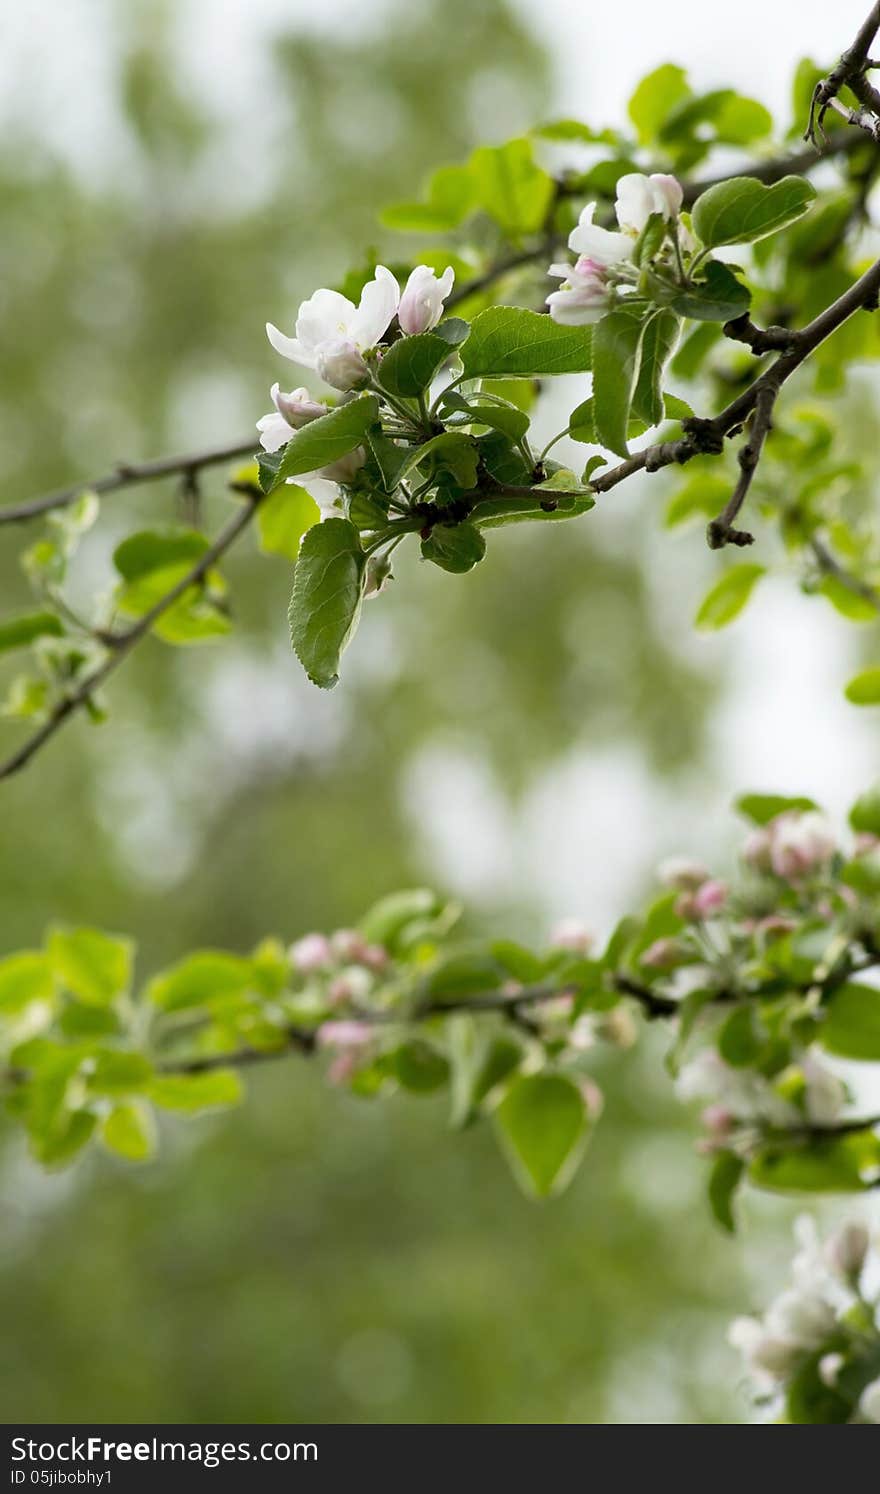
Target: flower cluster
{"type": "Point", "coordinates": [334, 338]}
{"type": "Point", "coordinates": [605, 265]}
{"type": "Point", "coordinates": [815, 1354]}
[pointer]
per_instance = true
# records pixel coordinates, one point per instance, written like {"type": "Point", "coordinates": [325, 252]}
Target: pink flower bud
{"type": "Point", "coordinates": [703, 903]}
{"type": "Point", "coordinates": [340, 363]}
{"type": "Point", "coordinates": [756, 849]}
{"type": "Point", "coordinates": [297, 407]}
{"type": "Point", "coordinates": [663, 954]}
{"type": "Point", "coordinates": [311, 953]}
{"type": "Point", "coordinates": [593, 1098]}
{"type": "Point", "coordinates": [865, 843]}
{"type": "Point", "coordinates": [375, 957]}
{"type": "Point", "coordinates": [775, 926]}
{"type": "Point", "coordinates": [847, 1248]}
{"type": "Point", "coordinates": [348, 944]}
{"type": "Point", "coordinates": [343, 1034]}
{"type": "Point", "coordinates": [800, 844]}
{"type": "Point", "coordinates": [421, 305]}
{"type": "Point", "coordinates": [573, 935]}
{"type": "Point", "coordinates": [680, 872]}
{"type": "Point", "coordinates": [718, 1121]}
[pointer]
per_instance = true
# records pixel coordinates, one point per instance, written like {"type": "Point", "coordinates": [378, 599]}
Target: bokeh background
{"type": "Point", "coordinates": [531, 738]}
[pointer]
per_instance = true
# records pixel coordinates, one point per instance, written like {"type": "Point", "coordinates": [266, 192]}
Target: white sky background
{"type": "Point", "coordinates": [594, 824]}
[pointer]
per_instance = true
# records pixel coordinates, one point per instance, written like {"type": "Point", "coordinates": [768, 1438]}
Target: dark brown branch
{"type": "Point", "coordinates": [127, 475]}
{"type": "Point", "coordinates": [123, 643]}
{"type": "Point", "coordinates": [722, 531]}
{"type": "Point", "coordinates": [849, 72]}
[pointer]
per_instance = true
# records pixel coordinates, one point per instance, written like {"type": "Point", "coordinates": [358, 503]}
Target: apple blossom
{"type": "Point", "coordinates": [847, 1248]}
{"type": "Point", "coordinates": [570, 933]}
{"type": "Point", "coordinates": [805, 1318]}
{"type": "Point", "coordinates": [830, 1366]}
{"type": "Point", "coordinates": [343, 1034]}
{"type": "Point", "coordinates": [767, 1357]}
{"type": "Point", "coordinates": [293, 411]}
{"type": "Point", "coordinates": [663, 954]}
{"type": "Point", "coordinates": [704, 902]}
{"type": "Point", "coordinates": [683, 873]}
{"type": "Point", "coordinates": [824, 1093]}
{"type": "Point", "coordinates": [311, 952]}
{"type": "Point", "coordinates": [800, 844]}
{"type": "Point", "coordinates": [640, 197]}
{"type": "Point", "coordinates": [332, 334]}
{"type": "Point", "coordinates": [421, 305]}
{"type": "Point", "coordinates": [587, 285]}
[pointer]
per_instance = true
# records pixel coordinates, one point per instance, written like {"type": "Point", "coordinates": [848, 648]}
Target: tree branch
{"type": "Point", "coordinates": [850, 71]}
{"type": "Point", "coordinates": [123, 643]}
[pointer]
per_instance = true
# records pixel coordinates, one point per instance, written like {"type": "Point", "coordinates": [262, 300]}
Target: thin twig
{"type": "Point", "coordinates": [849, 71]}
{"type": "Point", "coordinates": [123, 643]}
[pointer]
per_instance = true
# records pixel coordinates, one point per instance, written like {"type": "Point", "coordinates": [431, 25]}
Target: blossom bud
{"type": "Point", "coordinates": [571, 934]}
{"type": "Point", "coordinates": [617, 1027]}
{"type": "Point", "coordinates": [681, 872]}
{"type": "Point", "coordinates": [804, 1318]}
{"type": "Point", "coordinates": [640, 197]}
{"type": "Point", "coordinates": [297, 407]}
{"type": "Point", "coordinates": [593, 1098]}
{"type": "Point", "coordinates": [663, 954]}
{"type": "Point", "coordinates": [800, 844]}
{"type": "Point", "coordinates": [421, 305]}
{"type": "Point", "coordinates": [343, 1034]}
{"type": "Point", "coordinates": [718, 1121]}
{"type": "Point", "coordinates": [345, 467]}
{"type": "Point", "coordinates": [352, 985]}
{"type": "Point", "coordinates": [312, 952]}
{"type": "Point", "coordinates": [375, 957]}
{"type": "Point", "coordinates": [756, 849]}
{"type": "Point", "coordinates": [707, 900]}
{"type": "Point", "coordinates": [847, 1248]}
{"type": "Point", "coordinates": [830, 1366]}
{"type": "Point", "coordinates": [348, 944]}
{"type": "Point", "coordinates": [339, 362]}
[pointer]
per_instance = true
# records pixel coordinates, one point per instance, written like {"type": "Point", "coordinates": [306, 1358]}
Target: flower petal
{"type": "Point", "coordinates": [289, 347]}
{"type": "Point", "coordinates": [599, 243]}
{"type": "Point", "coordinates": [380, 298]}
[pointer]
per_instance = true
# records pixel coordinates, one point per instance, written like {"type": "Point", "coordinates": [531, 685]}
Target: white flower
{"type": "Point", "coordinates": [825, 1092]}
{"type": "Point", "coordinates": [800, 844]}
{"type": "Point", "coordinates": [767, 1357]}
{"type": "Point", "coordinates": [583, 297]}
{"type": "Point", "coordinates": [421, 305]}
{"type": "Point", "coordinates": [598, 244]}
{"type": "Point", "coordinates": [847, 1248]}
{"type": "Point", "coordinates": [869, 1402]}
{"type": "Point", "coordinates": [640, 197]}
{"type": "Point", "coordinates": [830, 1366]}
{"type": "Point", "coordinates": [332, 333]}
{"type": "Point", "coordinates": [803, 1317]}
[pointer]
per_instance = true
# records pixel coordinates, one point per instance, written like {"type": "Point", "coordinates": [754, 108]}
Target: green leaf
{"type": "Point", "coordinates": [541, 1125]}
{"type": "Point", "coordinates": [451, 452]}
{"type": "Point", "coordinates": [328, 438]}
{"type": "Point", "coordinates": [403, 918]}
{"type": "Point", "coordinates": [574, 130]}
{"type": "Point", "coordinates": [116, 1072]}
{"type": "Point", "coordinates": [809, 1401]}
{"type": "Point", "coordinates": [864, 688]}
{"type": "Point", "coordinates": [718, 296]}
{"type": "Point", "coordinates": [202, 977]}
{"type": "Point", "coordinates": [206, 1091]}
{"type": "Point", "coordinates": [762, 808]}
{"type": "Point", "coordinates": [463, 974]}
{"type": "Point", "coordinates": [851, 1027]}
{"type": "Point", "coordinates": [846, 601]}
{"type": "Point", "coordinates": [616, 341]}
{"type": "Point", "coordinates": [845, 1164]}
{"type": "Point", "coordinates": [724, 1179]}
{"type": "Point", "coordinates": [18, 632]}
{"type": "Point", "coordinates": [450, 198]}
{"type": "Point", "coordinates": [742, 210]}
{"type": "Point", "coordinates": [25, 977]}
{"type": "Point", "coordinates": [726, 599]}
{"type": "Point", "coordinates": [510, 187]}
{"type": "Point", "coordinates": [418, 1067]}
{"type": "Point", "coordinates": [93, 966]}
{"type": "Point", "coordinates": [454, 547]}
{"type": "Point", "coordinates": [157, 550]}
{"type": "Point", "coordinates": [60, 1142]}
{"type": "Point", "coordinates": [283, 518]}
{"type": "Point", "coordinates": [328, 587]}
{"type": "Point", "coordinates": [507, 341]}
{"type": "Point", "coordinates": [658, 343]}
{"type": "Point", "coordinates": [411, 363]}
{"type": "Point", "coordinates": [655, 98]}
{"type": "Point", "coordinates": [740, 1042]}
{"type": "Point", "coordinates": [130, 1131]}
{"type": "Point", "coordinates": [864, 817]}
